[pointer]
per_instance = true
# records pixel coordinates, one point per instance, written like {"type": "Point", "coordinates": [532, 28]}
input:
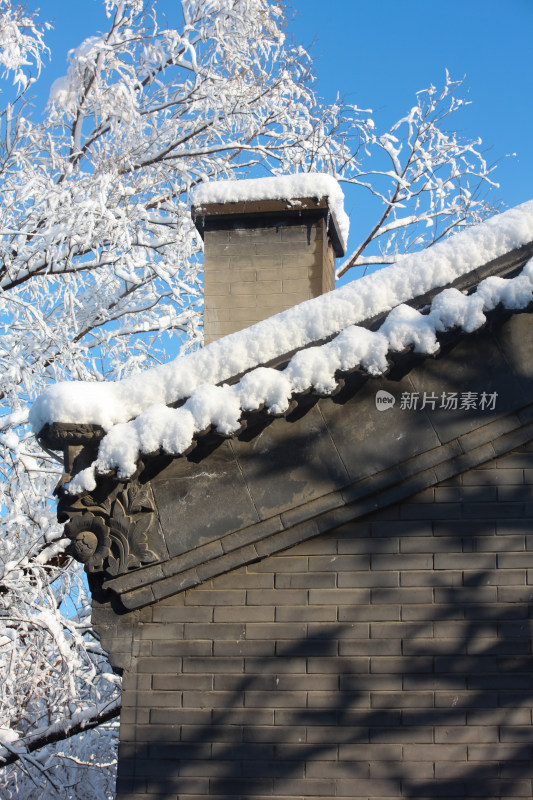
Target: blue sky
{"type": "Point", "coordinates": [378, 53]}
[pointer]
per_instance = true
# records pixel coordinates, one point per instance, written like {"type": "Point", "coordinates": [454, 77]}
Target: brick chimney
{"type": "Point", "coordinates": [263, 256]}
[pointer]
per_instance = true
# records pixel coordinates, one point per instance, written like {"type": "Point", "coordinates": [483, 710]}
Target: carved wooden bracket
{"type": "Point", "coordinates": [114, 531]}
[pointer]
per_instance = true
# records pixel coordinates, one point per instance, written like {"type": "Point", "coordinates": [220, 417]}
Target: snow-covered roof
{"type": "Point", "coordinates": [282, 187]}
{"type": "Point", "coordinates": [135, 411]}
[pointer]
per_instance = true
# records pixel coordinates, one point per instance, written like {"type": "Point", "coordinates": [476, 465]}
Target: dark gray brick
{"type": "Point", "coordinates": [515, 560]}
{"type": "Point", "coordinates": [180, 614]}
{"type": "Point", "coordinates": [391, 733]}
{"type": "Point", "coordinates": [216, 597]}
{"type": "Point", "coordinates": [283, 663]}
{"type": "Point", "coordinates": [211, 700]}
{"type": "Point", "coordinates": [177, 683]}
{"type": "Point", "coordinates": [502, 510]}
{"type": "Point", "coordinates": [355, 770]}
{"type": "Point", "coordinates": [318, 580]}
{"type": "Point", "coordinates": [431, 578]}
{"type": "Point", "coordinates": [339, 665]}
{"type": "Point", "coordinates": [201, 630]}
{"type": "Point", "coordinates": [292, 597]}
{"type": "Point", "coordinates": [432, 544]}
{"type": "Point", "coordinates": [304, 787]}
{"type": "Point", "coordinates": [402, 595]}
{"type": "Point", "coordinates": [161, 664]}
{"type": "Point", "coordinates": [402, 700]}
{"type": "Point", "coordinates": [368, 545]}
{"type": "Point", "coordinates": [244, 613]}
{"type": "Point", "coordinates": [370, 647]}
{"type": "Point", "coordinates": [372, 788]}
{"type": "Point", "coordinates": [276, 630]}
{"type": "Point", "coordinates": [401, 528]}
{"type": "Point", "coordinates": [173, 717]}
{"type": "Point", "coordinates": [215, 664]}
{"type": "Point", "coordinates": [341, 563]}
{"type": "Point", "coordinates": [442, 511]}
{"type": "Point", "coordinates": [519, 460]}
{"type": "Point", "coordinates": [499, 543]}
{"type": "Point", "coordinates": [418, 664]}
{"type": "Point", "coordinates": [306, 613]}
{"type": "Point", "coordinates": [461, 528]}
{"type": "Point", "coordinates": [218, 733]}
{"type": "Point", "coordinates": [402, 561]}
{"type": "Point", "coordinates": [367, 579]}
{"type": "Point", "coordinates": [456, 734]}
{"type": "Point", "coordinates": [467, 561]}
{"type": "Point", "coordinates": [338, 596]}
{"type": "Point", "coordinates": [493, 477]}
{"type": "Point", "coordinates": [154, 631]}
{"type": "Point", "coordinates": [186, 647]}
{"type": "Point", "coordinates": [379, 613]}
{"type": "Point", "coordinates": [244, 647]}
{"type": "Point", "coordinates": [464, 595]}
{"type": "Point", "coordinates": [515, 494]}
{"type": "Point", "coordinates": [384, 682]}
{"type": "Point", "coordinates": [515, 594]}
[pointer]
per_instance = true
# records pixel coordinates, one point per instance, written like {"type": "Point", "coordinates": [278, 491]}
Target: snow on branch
{"type": "Point", "coordinates": [21, 42]}
{"type": "Point", "coordinates": [430, 181]}
{"type": "Point", "coordinates": [12, 749]}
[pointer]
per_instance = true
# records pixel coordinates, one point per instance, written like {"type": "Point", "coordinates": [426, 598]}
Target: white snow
{"type": "Point", "coordinates": [282, 187]}
{"type": "Point", "coordinates": [84, 718]}
{"type": "Point", "coordinates": [52, 551]}
{"type": "Point", "coordinates": [8, 736]}
{"type": "Point", "coordinates": [64, 88]}
{"type": "Point", "coordinates": [135, 411]}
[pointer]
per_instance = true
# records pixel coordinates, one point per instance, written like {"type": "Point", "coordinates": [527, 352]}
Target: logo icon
{"type": "Point", "coordinates": [384, 400]}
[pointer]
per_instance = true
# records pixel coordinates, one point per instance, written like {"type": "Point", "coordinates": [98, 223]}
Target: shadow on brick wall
{"type": "Point", "coordinates": [400, 697]}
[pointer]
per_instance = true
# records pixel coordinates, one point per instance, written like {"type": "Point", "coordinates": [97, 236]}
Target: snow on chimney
{"type": "Point", "coordinates": [269, 244]}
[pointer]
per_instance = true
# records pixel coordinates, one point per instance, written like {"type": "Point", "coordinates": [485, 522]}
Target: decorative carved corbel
{"type": "Point", "coordinates": [111, 532]}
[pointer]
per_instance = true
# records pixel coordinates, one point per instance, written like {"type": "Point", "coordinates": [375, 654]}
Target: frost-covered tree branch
{"type": "Point", "coordinates": [22, 43]}
{"type": "Point", "coordinates": [58, 732]}
{"type": "Point", "coordinates": [428, 180]}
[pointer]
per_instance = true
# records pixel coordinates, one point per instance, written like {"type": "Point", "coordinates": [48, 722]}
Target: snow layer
{"type": "Point", "coordinates": [173, 430]}
{"type": "Point", "coordinates": [111, 404]}
{"type": "Point", "coordinates": [65, 88]}
{"type": "Point", "coordinates": [282, 187]}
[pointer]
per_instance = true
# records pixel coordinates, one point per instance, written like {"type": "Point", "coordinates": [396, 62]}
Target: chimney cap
{"type": "Point", "coordinates": [302, 207]}
{"type": "Point", "coordinates": [303, 193]}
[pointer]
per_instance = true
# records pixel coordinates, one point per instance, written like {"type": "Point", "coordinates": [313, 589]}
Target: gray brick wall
{"type": "Point", "coordinates": [389, 659]}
